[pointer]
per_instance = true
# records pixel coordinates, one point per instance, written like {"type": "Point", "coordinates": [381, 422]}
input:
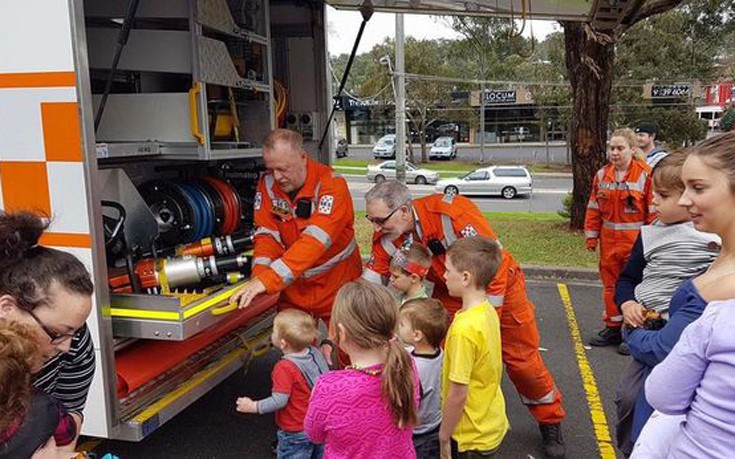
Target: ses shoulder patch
{"type": "Point", "coordinates": [326, 203]}
{"type": "Point", "coordinates": [258, 200]}
{"type": "Point", "coordinates": [469, 231]}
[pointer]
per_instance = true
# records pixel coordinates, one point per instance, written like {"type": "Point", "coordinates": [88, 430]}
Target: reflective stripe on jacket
{"type": "Point", "coordinates": [444, 218]}
{"type": "Point", "coordinates": [620, 206]}
{"type": "Point", "coordinates": [290, 252]}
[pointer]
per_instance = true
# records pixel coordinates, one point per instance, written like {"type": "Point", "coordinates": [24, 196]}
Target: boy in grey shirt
{"type": "Point", "coordinates": [423, 324]}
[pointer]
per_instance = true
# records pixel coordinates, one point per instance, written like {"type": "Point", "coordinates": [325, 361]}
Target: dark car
{"type": "Point", "coordinates": [340, 147]}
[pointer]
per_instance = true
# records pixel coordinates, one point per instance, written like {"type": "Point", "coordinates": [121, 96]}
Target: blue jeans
{"type": "Point", "coordinates": [295, 445]}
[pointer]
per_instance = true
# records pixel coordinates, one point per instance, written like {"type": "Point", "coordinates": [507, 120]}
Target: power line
{"type": "Point", "coordinates": [517, 107]}
{"type": "Point", "coordinates": [565, 83]}
{"type": "Point", "coordinates": [352, 96]}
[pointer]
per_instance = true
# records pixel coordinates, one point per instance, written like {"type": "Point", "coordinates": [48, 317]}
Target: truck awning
{"type": "Point", "coordinates": [572, 10]}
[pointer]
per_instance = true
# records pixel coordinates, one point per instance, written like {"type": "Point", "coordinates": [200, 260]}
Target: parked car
{"type": "Point", "coordinates": [444, 147]}
{"type": "Point", "coordinates": [340, 147]}
{"type": "Point", "coordinates": [386, 147]}
{"type": "Point", "coordinates": [387, 170]}
{"type": "Point", "coordinates": [506, 181]}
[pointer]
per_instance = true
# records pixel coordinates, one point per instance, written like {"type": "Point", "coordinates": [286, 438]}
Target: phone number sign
{"type": "Point", "coordinates": [668, 91]}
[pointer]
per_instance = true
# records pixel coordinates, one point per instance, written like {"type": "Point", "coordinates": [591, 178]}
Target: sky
{"type": "Point", "coordinates": [342, 27]}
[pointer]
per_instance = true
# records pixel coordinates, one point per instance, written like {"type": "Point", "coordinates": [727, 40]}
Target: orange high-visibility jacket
{"type": "Point", "coordinates": [443, 218]}
{"type": "Point", "coordinates": [307, 259]}
{"type": "Point", "coordinates": [619, 209]}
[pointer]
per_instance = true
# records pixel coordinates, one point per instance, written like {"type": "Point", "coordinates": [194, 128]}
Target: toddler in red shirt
{"type": "Point", "coordinates": [294, 332]}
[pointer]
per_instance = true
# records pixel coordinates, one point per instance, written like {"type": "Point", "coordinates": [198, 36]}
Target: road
{"type": "Point", "coordinates": [211, 428]}
{"type": "Point", "coordinates": [498, 153]}
{"type": "Point", "coordinates": [547, 196]}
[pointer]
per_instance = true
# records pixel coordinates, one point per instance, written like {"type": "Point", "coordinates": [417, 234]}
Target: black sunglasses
{"type": "Point", "coordinates": [381, 221]}
{"type": "Point", "coordinates": [55, 337]}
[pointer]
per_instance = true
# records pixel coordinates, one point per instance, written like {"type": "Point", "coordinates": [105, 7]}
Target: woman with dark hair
{"type": "Point", "coordinates": [51, 292]}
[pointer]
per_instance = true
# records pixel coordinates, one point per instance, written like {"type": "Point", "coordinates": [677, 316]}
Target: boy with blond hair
{"type": "Point", "coordinates": [408, 268]}
{"type": "Point", "coordinates": [474, 417]}
{"type": "Point", "coordinates": [294, 332]}
{"type": "Point", "coordinates": [423, 324]}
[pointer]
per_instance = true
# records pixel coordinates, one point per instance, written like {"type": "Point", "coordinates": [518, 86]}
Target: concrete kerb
{"type": "Point", "coordinates": [570, 273]}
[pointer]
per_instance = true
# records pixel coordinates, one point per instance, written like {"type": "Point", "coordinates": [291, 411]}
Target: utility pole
{"type": "Point", "coordinates": [400, 76]}
{"type": "Point", "coordinates": [482, 106]}
{"type": "Point", "coordinates": [482, 122]}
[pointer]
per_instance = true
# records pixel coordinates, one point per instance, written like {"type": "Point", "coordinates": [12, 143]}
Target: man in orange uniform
{"type": "Point", "coordinates": [304, 242]}
{"type": "Point", "coordinates": [435, 222]}
{"type": "Point", "coordinates": [620, 203]}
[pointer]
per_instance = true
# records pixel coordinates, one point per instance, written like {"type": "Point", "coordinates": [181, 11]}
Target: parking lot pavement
{"type": "Point", "coordinates": [586, 376]}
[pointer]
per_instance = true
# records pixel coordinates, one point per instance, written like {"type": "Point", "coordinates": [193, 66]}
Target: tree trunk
{"type": "Point", "coordinates": [422, 138]}
{"type": "Point", "coordinates": [590, 56]}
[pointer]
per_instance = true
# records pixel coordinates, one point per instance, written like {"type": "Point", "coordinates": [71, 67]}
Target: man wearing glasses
{"type": "Point", "coordinates": [304, 244]}
{"type": "Point", "coordinates": [436, 221]}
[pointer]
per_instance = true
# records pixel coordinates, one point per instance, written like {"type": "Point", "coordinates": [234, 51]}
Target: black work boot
{"type": "Point", "coordinates": [623, 349]}
{"type": "Point", "coordinates": [552, 440]}
{"type": "Point", "coordinates": [607, 337]}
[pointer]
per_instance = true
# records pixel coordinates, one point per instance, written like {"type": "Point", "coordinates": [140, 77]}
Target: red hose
{"type": "Point", "coordinates": [232, 205]}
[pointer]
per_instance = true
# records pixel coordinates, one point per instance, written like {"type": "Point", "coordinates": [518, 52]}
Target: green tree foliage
{"type": "Point", "coordinates": [727, 122]}
{"type": "Point", "coordinates": [680, 45]}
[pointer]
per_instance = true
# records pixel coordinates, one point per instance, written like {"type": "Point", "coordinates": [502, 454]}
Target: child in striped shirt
{"type": "Point", "coordinates": [666, 253]}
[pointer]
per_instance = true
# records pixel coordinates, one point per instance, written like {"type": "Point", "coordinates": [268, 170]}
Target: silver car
{"type": "Point", "coordinates": [444, 147]}
{"type": "Point", "coordinates": [505, 181]}
{"type": "Point", "coordinates": [387, 170]}
{"type": "Point", "coordinates": [386, 147]}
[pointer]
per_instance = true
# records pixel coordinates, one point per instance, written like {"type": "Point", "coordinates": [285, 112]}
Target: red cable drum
{"type": "Point", "coordinates": [232, 204]}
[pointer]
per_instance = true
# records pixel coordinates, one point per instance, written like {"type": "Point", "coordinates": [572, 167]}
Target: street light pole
{"type": "Point", "coordinates": [400, 79]}
{"type": "Point", "coordinates": [482, 123]}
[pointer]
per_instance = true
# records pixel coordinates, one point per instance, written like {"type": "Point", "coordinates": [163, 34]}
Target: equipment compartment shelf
{"type": "Point", "coordinates": [168, 318]}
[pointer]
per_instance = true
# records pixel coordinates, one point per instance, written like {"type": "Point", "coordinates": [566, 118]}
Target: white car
{"type": "Point", "coordinates": [386, 147]}
{"type": "Point", "coordinates": [444, 147]}
{"type": "Point", "coordinates": [505, 181]}
{"type": "Point", "coordinates": [387, 170]}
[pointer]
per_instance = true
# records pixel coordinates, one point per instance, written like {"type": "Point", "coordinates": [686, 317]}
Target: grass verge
{"type": "Point", "coordinates": [533, 238]}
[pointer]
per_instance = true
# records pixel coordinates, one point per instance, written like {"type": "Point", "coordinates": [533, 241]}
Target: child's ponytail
{"type": "Point", "coordinates": [369, 314]}
{"type": "Point", "coordinates": [397, 384]}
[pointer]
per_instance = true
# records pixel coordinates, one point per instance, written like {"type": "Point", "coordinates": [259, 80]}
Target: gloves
{"type": "Point", "coordinates": [591, 243]}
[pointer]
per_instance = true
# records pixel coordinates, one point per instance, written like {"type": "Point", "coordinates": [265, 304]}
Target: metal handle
{"type": "Point", "coordinates": [193, 116]}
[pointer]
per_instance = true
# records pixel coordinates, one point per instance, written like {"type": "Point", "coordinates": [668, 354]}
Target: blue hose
{"type": "Point", "coordinates": [201, 224]}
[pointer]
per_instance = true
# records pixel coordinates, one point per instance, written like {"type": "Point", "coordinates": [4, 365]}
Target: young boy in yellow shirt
{"type": "Point", "coordinates": [473, 418]}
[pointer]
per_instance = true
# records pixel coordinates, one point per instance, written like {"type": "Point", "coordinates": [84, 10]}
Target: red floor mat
{"type": "Point", "coordinates": [143, 361]}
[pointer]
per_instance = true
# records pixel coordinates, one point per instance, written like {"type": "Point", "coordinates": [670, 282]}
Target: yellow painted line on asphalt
{"type": "Point", "coordinates": [597, 412]}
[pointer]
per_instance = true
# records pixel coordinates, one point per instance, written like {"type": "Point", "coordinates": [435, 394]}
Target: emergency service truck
{"type": "Point", "coordinates": [137, 125]}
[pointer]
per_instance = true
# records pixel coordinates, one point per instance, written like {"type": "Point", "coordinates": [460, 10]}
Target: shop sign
{"type": "Point", "coordinates": [670, 91]}
{"type": "Point", "coordinates": [500, 97]}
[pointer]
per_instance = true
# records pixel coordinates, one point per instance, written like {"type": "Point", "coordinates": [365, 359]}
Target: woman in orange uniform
{"type": "Point", "coordinates": [620, 203]}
